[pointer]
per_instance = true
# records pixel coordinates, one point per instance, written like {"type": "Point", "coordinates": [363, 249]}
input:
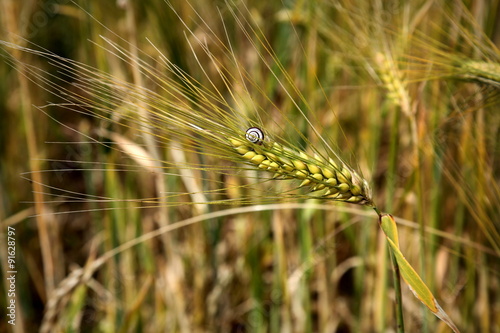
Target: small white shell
{"type": "Point", "coordinates": [255, 135]}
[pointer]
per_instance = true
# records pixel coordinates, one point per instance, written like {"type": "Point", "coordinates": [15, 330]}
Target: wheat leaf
{"type": "Point", "coordinates": [411, 277]}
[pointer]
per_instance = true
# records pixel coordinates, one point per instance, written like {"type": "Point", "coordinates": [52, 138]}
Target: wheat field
{"type": "Point", "coordinates": [218, 166]}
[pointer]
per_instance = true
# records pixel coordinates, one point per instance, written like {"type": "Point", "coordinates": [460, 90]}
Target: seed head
{"type": "Point", "coordinates": [325, 178]}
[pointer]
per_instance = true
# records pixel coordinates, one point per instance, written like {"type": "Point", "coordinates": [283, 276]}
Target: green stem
{"type": "Point", "coordinates": [397, 290]}
{"type": "Point", "coordinates": [397, 286]}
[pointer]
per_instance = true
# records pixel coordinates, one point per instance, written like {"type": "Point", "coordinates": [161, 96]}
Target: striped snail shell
{"type": "Point", "coordinates": [255, 135]}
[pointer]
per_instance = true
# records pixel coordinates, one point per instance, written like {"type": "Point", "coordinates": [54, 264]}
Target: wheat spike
{"type": "Point", "coordinates": [326, 179]}
{"type": "Point", "coordinates": [393, 80]}
{"type": "Point", "coordinates": [483, 71]}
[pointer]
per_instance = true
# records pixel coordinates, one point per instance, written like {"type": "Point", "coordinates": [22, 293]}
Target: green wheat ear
{"type": "Point", "coordinates": [325, 178]}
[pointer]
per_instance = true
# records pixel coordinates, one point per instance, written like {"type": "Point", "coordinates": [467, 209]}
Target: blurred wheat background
{"type": "Point", "coordinates": [406, 91]}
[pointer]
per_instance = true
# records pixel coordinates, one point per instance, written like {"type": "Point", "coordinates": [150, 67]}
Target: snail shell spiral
{"type": "Point", "coordinates": [255, 135]}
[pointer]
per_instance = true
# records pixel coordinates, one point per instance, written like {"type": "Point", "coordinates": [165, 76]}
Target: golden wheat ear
{"type": "Point", "coordinates": [325, 179]}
